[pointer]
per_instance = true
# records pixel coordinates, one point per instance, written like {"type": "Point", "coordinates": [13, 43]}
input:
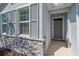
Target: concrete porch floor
{"type": "Point", "coordinates": [58, 48]}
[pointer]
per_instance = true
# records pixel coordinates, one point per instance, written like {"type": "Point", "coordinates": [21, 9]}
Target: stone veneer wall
{"type": "Point", "coordinates": [23, 45]}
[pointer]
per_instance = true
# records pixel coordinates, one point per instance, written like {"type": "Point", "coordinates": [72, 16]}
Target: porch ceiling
{"type": "Point", "coordinates": [53, 6]}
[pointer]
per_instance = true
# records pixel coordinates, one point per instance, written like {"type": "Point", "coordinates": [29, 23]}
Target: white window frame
{"type": "Point", "coordinates": [3, 23]}
{"type": "Point", "coordinates": [7, 23]}
{"type": "Point", "coordinates": [12, 19]}
{"type": "Point", "coordinates": [31, 21]}
{"type": "Point", "coordinates": [27, 21]}
{"type": "Point", "coordinates": [35, 20]}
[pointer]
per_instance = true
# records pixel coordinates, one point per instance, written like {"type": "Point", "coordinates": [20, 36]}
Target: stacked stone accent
{"type": "Point", "coordinates": [22, 45]}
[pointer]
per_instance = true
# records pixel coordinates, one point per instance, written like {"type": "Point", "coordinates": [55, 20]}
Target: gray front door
{"type": "Point", "coordinates": [58, 30]}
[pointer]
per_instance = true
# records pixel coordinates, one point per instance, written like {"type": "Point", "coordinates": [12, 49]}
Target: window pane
{"type": "Point", "coordinates": [0, 24]}
{"type": "Point", "coordinates": [23, 18]}
{"type": "Point", "coordinates": [9, 17]}
{"type": "Point", "coordinates": [24, 28]}
{"type": "Point", "coordinates": [21, 28]}
{"type": "Point", "coordinates": [4, 18]}
{"type": "Point", "coordinates": [24, 14]}
{"type": "Point", "coordinates": [13, 16]}
{"type": "Point", "coordinates": [4, 27]}
{"type": "Point", "coordinates": [34, 29]}
{"type": "Point", "coordinates": [11, 28]}
{"type": "Point", "coordinates": [34, 12]}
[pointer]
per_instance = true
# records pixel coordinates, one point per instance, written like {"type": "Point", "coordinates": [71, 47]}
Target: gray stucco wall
{"type": "Point", "coordinates": [72, 27]}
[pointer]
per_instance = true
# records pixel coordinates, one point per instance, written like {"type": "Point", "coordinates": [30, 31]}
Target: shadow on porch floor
{"type": "Point", "coordinates": [8, 52]}
{"type": "Point", "coordinates": [58, 48]}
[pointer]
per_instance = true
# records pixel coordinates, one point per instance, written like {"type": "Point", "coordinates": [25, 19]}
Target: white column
{"type": "Point", "coordinates": [17, 30]}
{"type": "Point", "coordinates": [40, 20]}
{"type": "Point", "coordinates": [77, 19]}
{"type": "Point", "coordinates": [1, 24]}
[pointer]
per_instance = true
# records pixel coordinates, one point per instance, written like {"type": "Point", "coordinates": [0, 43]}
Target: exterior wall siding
{"type": "Point", "coordinates": [40, 21]}
{"type": "Point", "coordinates": [72, 27]}
{"type": "Point", "coordinates": [46, 26]}
{"type": "Point", "coordinates": [77, 15]}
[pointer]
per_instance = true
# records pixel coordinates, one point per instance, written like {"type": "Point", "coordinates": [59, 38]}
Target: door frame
{"type": "Point", "coordinates": [62, 25]}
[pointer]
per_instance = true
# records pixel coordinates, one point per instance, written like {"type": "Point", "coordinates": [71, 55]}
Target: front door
{"type": "Point", "coordinates": [58, 28]}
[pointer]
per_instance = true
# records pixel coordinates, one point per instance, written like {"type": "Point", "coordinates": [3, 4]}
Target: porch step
{"type": "Point", "coordinates": [58, 48]}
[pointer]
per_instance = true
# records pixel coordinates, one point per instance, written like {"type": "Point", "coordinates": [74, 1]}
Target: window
{"type": "Point", "coordinates": [24, 28]}
{"type": "Point", "coordinates": [4, 28]}
{"type": "Point", "coordinates": [4, 18]}
{"type": "Point", "coordinates": [24, 20]}
{"type": "Point", "coordinates": [7, 23]}
{"type": "Point", "coordinates": [34, 20]}
{"type": "Point", "coordinates": [24, 14]}
{"type": "Point", "coordinates": [18, 21]}
{"type": "Point", "coordinates": [4, 22]}
{"type": "Point", "coordinates": [11, 23]}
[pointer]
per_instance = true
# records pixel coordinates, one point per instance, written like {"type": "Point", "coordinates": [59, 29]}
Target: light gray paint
{"type": "Point", "coordinates": [34, 12]}
{"type": "Point", "coordinates": [34, 30]}
{"type": "Point", "coordinates": [46, 26]}
{"type": "Point", "coordinates": [41, 21]}
{"type": "Point", "coordinates": [17, 31]}
{"type": "Point", "coordinates": [61, 10]}
{"type": "Point", "coordinates": [72, 27]}
{"type": "Point", "coordinates": [65, 22]}
{"type": "Point", "coordinates": [34, 20]}
{"type": "Point", "coordinates": [77, 12]}
{"type": "Point", "coordinates": [53, 6]}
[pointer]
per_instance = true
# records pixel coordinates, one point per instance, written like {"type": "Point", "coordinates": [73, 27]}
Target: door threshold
{"type": "Point", "coordinates": [55, 39]}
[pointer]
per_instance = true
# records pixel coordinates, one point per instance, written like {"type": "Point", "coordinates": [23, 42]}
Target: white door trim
{"type": "Point", "coordinates": [62, 25]}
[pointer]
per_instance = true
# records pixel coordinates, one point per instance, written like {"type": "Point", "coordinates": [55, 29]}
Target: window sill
{"type": "Point", "coordinates": [24, 36]}
{"type": "Point", "coordinates": [4, 33]}
{"type": "Point", "coordinates": [30, 38]}
{"type": "Point", "coordinates": [23, 21]}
